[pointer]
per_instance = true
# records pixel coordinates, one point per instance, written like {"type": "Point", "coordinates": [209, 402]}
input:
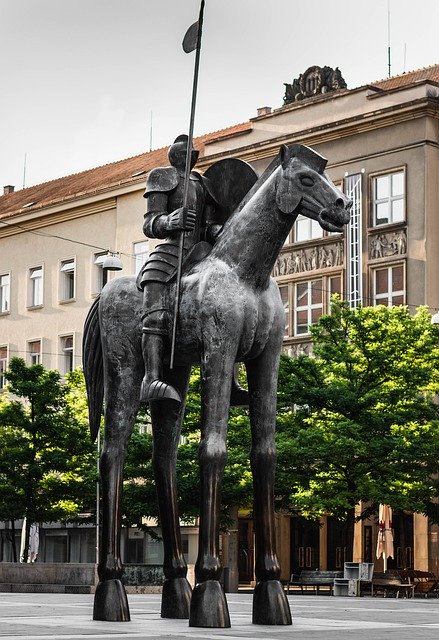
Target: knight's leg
{"type": "Point", "coordinates": [154, 333]}
{"type": "Point", "coordinates": [166, 417]}
{"type": "Point", "coordinates": [270, 605]}
{"type": "Point", "coordinates": [208, 604]}
{"type": "Point", "coordinates": [110, 602]}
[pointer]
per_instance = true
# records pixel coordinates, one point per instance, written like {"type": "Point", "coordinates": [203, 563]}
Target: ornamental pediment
{"type": "Point", "coordinates": [315, 81]}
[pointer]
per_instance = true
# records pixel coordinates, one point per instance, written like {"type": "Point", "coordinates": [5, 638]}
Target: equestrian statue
{"type": "Point", "coordinates": [229, 312]}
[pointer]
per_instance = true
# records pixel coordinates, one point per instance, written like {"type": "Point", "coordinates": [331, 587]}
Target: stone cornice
{"type": "Point", "coordinates": [362, 123]}
{"type": "Point", "coordinates": [50, 216]}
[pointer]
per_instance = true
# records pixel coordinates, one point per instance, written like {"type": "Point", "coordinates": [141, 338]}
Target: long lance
{"type": "Point", "coordinates": [188, 45]}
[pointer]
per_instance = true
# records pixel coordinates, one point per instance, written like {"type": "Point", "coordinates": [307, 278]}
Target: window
{"type": "Point", "coordinates": [308, 305]}
{"type": "Point", "coordinates": [67, 279]}
{"type": "Point", "coordinates": [34, 351]}
{"type": "Point", "coordinates": [284, 294]}
{"type": "Point", "coordinates": [307, 229]}
{"type": "Point", "coordinates": [66, 354]}
{"type": "Point", "coordinates": [388, 198]}
{"type": "Point", "coordinates": [3, 365]}
{"type": "Point", "coordinates": [36, 286]}
{"type": "Point", "coordinates": [5, 282]}
{"type": "Point", "coordinates": [388, 286]}
{"type": "Point", "coordinates": [140, 254]}
{"type": "Point", "coordinates": [100, 274]}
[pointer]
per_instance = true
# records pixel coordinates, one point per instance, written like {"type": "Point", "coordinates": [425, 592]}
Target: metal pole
{"type": "Point", "coordinates": [186, 182]}
{"type": "Point", "coordinates": [98, 496]}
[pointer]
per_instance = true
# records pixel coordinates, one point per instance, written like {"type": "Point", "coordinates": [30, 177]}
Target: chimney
{"type": "Point", "coordinates": [9, 188]}
{"type": "Point", "coordinates": [264, 111]}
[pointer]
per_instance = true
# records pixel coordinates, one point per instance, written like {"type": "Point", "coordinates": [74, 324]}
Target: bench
{"type": "Point", "coordinates": [314, 579]}
{"type": "Point", "coordinates": [425, 582]}
{"type": "Point", "coordinates": [392, 583]}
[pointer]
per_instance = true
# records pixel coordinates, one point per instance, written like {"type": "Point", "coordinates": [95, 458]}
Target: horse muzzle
{"type": "Point", "coordinates": [335, 217]}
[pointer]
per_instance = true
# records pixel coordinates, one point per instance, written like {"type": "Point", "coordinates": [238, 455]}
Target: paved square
{"type": "Point", "coordinates": [46, 616]}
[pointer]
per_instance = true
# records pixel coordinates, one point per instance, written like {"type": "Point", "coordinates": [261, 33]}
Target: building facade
{"type": "Point", "coordinates": [382, 143]}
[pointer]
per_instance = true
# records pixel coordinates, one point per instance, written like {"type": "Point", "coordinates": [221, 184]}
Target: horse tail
{"type": "Point", "coordinates": [93, 364]}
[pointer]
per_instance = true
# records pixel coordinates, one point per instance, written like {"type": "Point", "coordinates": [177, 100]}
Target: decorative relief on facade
{"type": "Point", "coordinates": [314, 81]}
{"type": "Point", "coordinates": [303, 260]}
{"type": "Point", "coordinates": [298, 349]}
{"type": "Point", "coordinates": [384, 245]}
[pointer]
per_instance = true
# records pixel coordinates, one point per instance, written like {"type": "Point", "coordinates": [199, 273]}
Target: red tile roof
{"type": "Point", "coordinates": [406, 79]}
{"type": "Point", "coordinates": [99, 179]}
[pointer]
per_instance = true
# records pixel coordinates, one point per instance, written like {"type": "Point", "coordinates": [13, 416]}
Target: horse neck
{"type": "Point", "coordinates": [253, 237]}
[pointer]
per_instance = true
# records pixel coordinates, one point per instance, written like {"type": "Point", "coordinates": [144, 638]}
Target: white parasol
{"type": "Point", "coordinates": [385, 534]}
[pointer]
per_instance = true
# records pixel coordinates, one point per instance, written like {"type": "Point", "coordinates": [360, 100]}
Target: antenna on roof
{"type": "Point", "coordinates": [388, 38]}
{"type": "Point", "coordinates": [150, 132]}
{"type": "Point", "coordinates": [24, 171]}
{"type": "Point", "coordinates": [405, 55]}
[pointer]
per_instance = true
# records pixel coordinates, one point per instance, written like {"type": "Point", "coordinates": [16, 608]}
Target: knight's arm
{"type": "Point", "coordinates": [156, 216]}
{"type": "Point", "coordinates": [159, 184]}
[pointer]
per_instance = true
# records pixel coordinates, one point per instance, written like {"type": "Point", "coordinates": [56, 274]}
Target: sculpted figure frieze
{"type": "Point", "coordinates": [383, 245]}
{"type": "Point", "coordinates": [302, 260]}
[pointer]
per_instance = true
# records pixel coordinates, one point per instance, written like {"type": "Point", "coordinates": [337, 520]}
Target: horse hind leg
{"type": "Point", "coordinates": [110, 602]}
{"type": "Point", "coordinates": [166, 418]}
{"type": "Point", "coordinates": [270, 605]}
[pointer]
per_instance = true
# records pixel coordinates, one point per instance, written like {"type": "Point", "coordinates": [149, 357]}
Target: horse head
{"type": "Point", "coordinates": [304, 188]}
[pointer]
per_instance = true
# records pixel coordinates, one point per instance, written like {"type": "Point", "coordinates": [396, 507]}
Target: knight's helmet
{"type": "Point", "coordinates": [177, 153]}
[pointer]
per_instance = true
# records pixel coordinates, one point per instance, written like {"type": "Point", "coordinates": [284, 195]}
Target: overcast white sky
{"type": "Point", "coordinates": [80, 78]}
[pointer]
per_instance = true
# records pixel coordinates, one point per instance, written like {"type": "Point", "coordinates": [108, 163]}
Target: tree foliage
{"type": "Point", "coordinates": [47, 463]}
{"type": "Point", "coordinates": [366, 425]}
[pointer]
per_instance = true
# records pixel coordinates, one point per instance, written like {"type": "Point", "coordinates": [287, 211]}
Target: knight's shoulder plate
{"type": "Point", "coordinates": [162, 180]}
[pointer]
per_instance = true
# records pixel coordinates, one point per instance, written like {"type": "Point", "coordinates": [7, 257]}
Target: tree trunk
{"type": "Point", "coordinates": [13, 542]}
{"type": "Point", "coordinates": [349, 535]}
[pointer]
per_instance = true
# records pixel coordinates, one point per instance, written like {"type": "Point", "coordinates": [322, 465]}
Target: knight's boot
{"type": "Point", "coordinates": [153, 387]}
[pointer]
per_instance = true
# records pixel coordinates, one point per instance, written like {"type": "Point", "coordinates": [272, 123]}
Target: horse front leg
{"type": "Point", "coordinates": [270, 605]}
{"type": "Point", "coordinates": [110, 602]}
{"type": "Point", "coordinates": [166, 418]}
{"type": "Point", "coordinates": [208, 604]}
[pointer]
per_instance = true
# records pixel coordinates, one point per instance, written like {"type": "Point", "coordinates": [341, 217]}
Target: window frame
{"type": "Point", "coordinates": [100, 276]}
{"type": "Point", "coordinates": [30, 354]}
{"type": "Point", "coordinates": [3, 365]}
{"type": "Point", "coordinates": [67, 284]}
{"type": "Point", "coordinates": [33, 303]}
{"type": "Point", "coordinates": [139, 261]}
{"type": "Point", "coordinates": [66, 355]}
{"type": "Point", "coordinates": [390, 293]}
{"type": "Point", "coordinates": [7, 297]}
{"type": "Point", "coordinates": [390, 199]}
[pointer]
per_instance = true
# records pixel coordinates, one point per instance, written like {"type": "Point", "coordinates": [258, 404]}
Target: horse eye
{"type": "Point", "coordinates": [307, 181]}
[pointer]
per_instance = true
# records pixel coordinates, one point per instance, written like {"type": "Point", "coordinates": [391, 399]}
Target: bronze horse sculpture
{"type": "Point", "coordinates": [230, 311]}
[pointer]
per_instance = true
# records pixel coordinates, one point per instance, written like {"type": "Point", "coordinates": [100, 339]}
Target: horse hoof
{"type": "Point", "coordinates": [111, 603]}
{"type": "Point", "coordinates": [176, 598]}
{"type": "Point", "coordinates": [270, 604]}
{"type": "Point", "coordinates": [209, 606]}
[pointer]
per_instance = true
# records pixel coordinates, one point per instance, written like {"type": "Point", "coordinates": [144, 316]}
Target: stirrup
{"type": "Point", "coordinates": [158, 390]}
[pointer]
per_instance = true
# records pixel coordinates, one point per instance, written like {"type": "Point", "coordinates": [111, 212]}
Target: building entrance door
{"type": "Point", "coordinates": [305, 543]}
{"type": "Point", "coordinates": [340, 544]}
{"type": "Point", "coordinates": [245, 550]}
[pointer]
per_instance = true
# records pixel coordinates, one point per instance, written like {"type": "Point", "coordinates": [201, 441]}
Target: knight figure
{"type": "Point", "coordinates": [164, 219]}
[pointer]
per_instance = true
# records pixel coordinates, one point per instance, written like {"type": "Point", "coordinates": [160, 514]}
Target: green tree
{"type": "Point", "coordinates": [365, 426]}
{"type": "Point", "coordinates": [47, 465]}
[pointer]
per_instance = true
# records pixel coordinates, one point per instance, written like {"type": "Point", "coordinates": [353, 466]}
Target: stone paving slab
{"type": "Point", "coordinates": [68, 617]}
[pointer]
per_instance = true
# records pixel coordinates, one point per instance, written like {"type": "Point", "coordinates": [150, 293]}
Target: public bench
{"type": "Point", "coordinates": [425, 582]}
{"type": "Point", "coordinates": [391, 583]}
{"type": "Point", "coordinates": [314, 580]}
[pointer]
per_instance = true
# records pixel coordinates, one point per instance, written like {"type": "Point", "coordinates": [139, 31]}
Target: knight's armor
{"type": "Point", "coordinates": [164, 195]}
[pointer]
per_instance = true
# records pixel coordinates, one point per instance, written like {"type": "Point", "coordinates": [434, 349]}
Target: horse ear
{"type": "Point", "coordinates": [285, 155]}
